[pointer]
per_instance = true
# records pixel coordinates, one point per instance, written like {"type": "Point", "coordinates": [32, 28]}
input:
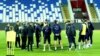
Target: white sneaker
{"type": "Point", "coordinates": [87, 46]}
{"type": "Point", "coordinates": [90, 45]}
{"type": "Point", "coordinates": [69, 49]}
{"type": "Point", "coordinates": [39, 43]}
{"type": "Point", "coordinates": [55, 48]}
{"type": "Point", "coordinates": [49, 49]}
{"type": "Point", "coordinates": [44, 50]}
{"type": "Point", "coordinates": [66, 37]}
{"type": "Point", "coordinates": [79, 47]}
{"type": "Point", "coordinates": [33, 44]}
{"type": "Point", "coordinates": [61, 47]}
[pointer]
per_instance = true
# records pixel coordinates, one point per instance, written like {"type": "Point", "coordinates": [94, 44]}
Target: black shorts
{"type": "Point", "coordinates": [57, 37]}
{"type": "Point", "coordinates": [81, 38]}
{"type": "Point", "coordinates": [46, 38]}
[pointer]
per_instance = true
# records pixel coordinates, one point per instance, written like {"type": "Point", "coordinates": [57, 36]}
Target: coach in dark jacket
{"type": "Point", "coordinates": [30, 36]}
{"type": "Point", "coordinates": [37, 33]}
{"type": "Point", "coordinates": [24, 36]}
{"type": "Point", "coordinates": [90, 28]}
{"type": "Point", "coordinates": [17, 34]}
{"type": "Point", "coordinates": [71, 33]}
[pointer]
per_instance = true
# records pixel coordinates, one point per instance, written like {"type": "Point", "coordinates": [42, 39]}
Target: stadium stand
{"type": "Point", "coordinates": [65, 12]}
{"type": "Point", "coordinates": [93, 12]}
{"type": "Point", "coordinates": [32, 10]}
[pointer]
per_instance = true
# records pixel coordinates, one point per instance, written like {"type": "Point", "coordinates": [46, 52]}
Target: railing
{"type": "Point", "coordinates": [90, 17]}
{"type": "Point", "coordinates": [70, 10]}
{"type": "Point", "coordinates": [65, 12]}
{"type": "Point", "coordinates": [93, 12]}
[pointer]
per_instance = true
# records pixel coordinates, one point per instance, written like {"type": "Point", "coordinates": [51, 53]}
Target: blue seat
{"type": "Point", "coordinates": [95, 2]}
{"type": "Point", "coordinates": [31, 9]}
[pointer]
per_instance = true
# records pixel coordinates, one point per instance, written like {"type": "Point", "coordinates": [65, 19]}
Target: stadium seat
{"type": "Point", "coordinates": [30, 10]}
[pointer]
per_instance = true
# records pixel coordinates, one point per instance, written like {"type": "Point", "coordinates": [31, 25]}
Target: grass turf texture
{"type": "Point", "coordinates": [93, 51]}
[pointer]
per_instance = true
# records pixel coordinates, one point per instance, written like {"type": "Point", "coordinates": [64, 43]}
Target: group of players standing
{"type": "Point", "coordinates": [85, 39]}
{"type": "Point", "coordinates": [25, 34]}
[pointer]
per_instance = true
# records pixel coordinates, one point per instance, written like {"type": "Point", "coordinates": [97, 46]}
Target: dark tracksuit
{"type": "Point", "coordinates": [57, 30]}
{"type": "Point", "coordinates": [41, 27]}
{"type": "Point", "coordinates": [71, 33]}
{"type": "Point", "coordinates": [24, 37]}
{"type": "Point", "coordinates": [17, 35]}
{"type": "Point", "coordinates": [91, 28]}
{"type": "Point", "coordinates": [30, 37]}
{"type": "Point", "coordinates": [37, 34]}
{"type": "Point", "coordinates": [46, 34]}
{"type": "Point", "coordinates": [87, 33]}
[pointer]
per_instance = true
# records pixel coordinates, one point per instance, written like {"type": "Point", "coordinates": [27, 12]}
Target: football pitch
{"type": "Point", "coordinates": [92, 51]}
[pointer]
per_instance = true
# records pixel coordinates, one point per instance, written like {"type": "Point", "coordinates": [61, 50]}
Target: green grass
{"type": "Point", "coordinates": [93, 51]}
